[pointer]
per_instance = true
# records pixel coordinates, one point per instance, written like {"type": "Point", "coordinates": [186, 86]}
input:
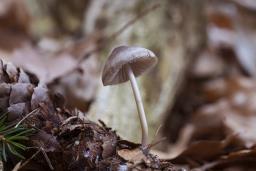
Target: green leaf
{"type": "Point", "coordinates": [4, 152]}
{"type": "Point", "coordinates": [12, 131]}
{"type": "Point", "coordinates": [25, 132]}
{"type": "Point", "coordinates": [17, 145]}
{"type": "Point", "coordinates": [13, 151]}
{"type": "Point", "coordinates": [2, 121]}
{"type": "Point", "coordinates": [3, 117]}
{"type": "Point", "coordinates": [13, 138]}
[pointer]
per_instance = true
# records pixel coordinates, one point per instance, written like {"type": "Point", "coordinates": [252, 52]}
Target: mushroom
{"type": "Point", "coordinates": [125, 63]}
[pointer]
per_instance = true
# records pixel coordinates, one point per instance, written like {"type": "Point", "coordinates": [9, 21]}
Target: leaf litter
{"type": "Point", "coordinates": [215, 129]}
{"type": "Point", "coordinates": [217, 100]}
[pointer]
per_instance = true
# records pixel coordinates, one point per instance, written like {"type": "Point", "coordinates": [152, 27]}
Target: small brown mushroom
{"type": "Point", "coordinates": [125, 63]}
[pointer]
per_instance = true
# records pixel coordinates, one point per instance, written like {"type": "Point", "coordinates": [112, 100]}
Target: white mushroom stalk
{"type": "Point", "coordinates": [141, 112]}
{"type": "Point", "coordinates": [125, 63]}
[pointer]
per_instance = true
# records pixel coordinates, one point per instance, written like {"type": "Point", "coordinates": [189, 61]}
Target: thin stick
{"type": "Point", "coordinates": [17, 167]}
{"type": "Point", "coordinates": [117, 33]}
{"type": "Point", "coordinates": [158, 130]}
{"type": "Point", "coordinates": [47, 159]}
{"type": "Point", "coordinates": [113, 36]}
{"type": "Point", "coordinates": [28, 115]}
{"type": "Point", "coordinates": [28, 160]}
{"type": "Point", "coordinates": [34, 155]}
{"type": "Point", "coordinates": [132, 21]}
{"type": "Point", "coordinates": [156, 142]}
{"type": "Point", "coordinates": [156, 133]}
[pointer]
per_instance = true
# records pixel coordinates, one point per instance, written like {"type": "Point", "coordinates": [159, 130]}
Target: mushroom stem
{"type": "Point", "coordinates": [141, 112]}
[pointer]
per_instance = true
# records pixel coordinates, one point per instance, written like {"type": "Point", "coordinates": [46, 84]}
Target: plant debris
{"type": "Point", "coordinates": [67, 140]}
{"type": "Point", "coordinates": [202, 93]}
{"type": "Point", "coordinates": [217, 101]}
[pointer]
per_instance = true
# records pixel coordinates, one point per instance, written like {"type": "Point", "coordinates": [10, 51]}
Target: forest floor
{"type": "Point", "coordinates": [210, 126]}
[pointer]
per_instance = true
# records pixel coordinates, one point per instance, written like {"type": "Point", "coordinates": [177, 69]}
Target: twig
{"type": "Point", "coordinates": [156, 142]}
{"type": "Point", "coordinates": [40, 149]}
{"type": "Point", "coordinates": [156, 133]}
{"type": "Point", "coordinates": [68, 120]}
{"type": "Point", "coordinates": [105, 40]}
{"type": "Point", "coordinates": [47, 159]}
{"type": "Point", "coordinates": [158, 130]}
{"type": "Point", "coordinates": [28, 115]}
{"type": "Point", "coordinates": [28, 160]}
{"type": "Point", "coordinates": [17, 167]}
{"type": "Point", "coordinates": [117, 33]}
{"type": "Point", "coordinates": [131, 22]}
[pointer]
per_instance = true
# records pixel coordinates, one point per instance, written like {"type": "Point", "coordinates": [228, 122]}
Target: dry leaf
{"type": "Point", "coordinates": [45, 66]}
{"type": "Point", "coordinates": [244, 127]}
{"type": "Point", "coordinates": [135, 156]}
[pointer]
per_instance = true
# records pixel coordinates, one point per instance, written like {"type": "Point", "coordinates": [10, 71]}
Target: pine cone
{"type": "Point", "coordinates": [69, 142]}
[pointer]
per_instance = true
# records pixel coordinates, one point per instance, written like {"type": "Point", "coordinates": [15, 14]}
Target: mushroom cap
{"type": "Point", "coordinates": [139, 59]}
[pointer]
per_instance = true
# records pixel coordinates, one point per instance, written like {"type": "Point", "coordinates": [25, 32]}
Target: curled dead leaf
{"type": "Point", "coordinates": [134, 156]}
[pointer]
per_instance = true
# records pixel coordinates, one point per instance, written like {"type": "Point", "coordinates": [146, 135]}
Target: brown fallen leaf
{"type": "Point", "coordinates": [208, 65]}
{"type": "Point", "coordinates": [242, 160]}
{"type": "Point", "coordinates": [243, 127]}
{"type": "Point", "coordinates": [45, 66]}
{"type": "Point", "coordinates": [79, 86]}
{"type": "Point", "coordinates": [61, 70]}
{"type": "Point", "coordinates": [218, 97]}
{"type": "Point", "coordinates": [134, 156]}
{"type": "Point", "coordinates": [203, 151]}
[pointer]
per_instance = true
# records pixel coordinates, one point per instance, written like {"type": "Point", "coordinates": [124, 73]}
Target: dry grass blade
{"type": "Point", "coordinates": [28, 115]}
